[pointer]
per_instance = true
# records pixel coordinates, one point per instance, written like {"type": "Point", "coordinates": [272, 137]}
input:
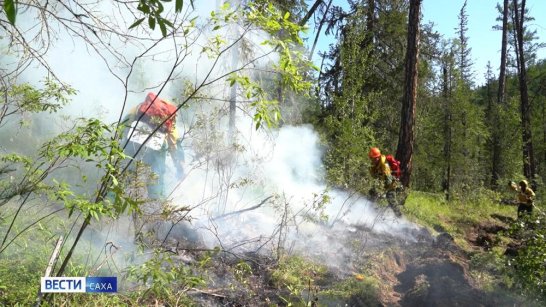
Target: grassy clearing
{"type": "Point", "coordinates": [306, 282]}
{"type": "Point", "coordinates": [25, 261]}
{"type": "Point", "coordinates": [455, 217]}
{"type": "Point", "coordinates": [295, 275]}
{"type": "Point", "coordinates": [492, 270]}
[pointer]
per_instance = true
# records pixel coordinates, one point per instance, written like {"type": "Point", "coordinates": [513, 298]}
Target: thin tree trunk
{"type": "Point", "coordinates": [319, 29]}
{"type": "Point", "coordinates": [233, 89]}
{"type": "Point", "coordinates": [447, 134]}
{"type": "Point", "coordinates": [404, 151]}
{"type": "Point", "coordinates": [491, 119]}
{"type": "Point", "coordinates": [528, 159]}
{"type": "Point", "coordinates": [502, 69]}
{"type": "Point", "coordinates": [501, 99]}
{"type": "Point", "coordinates": [310, 12]}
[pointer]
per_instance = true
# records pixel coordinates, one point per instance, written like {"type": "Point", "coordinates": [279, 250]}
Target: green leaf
{"type": "Point", "coordinates": [163, 28]}
{"type": "Point", "coordinates": [151, 22]}
{"type": "Point", "coordinates": [114, 180]}
{"type": "Point", "coordinates": [144, 9]}
{"type": "Point", "coordinates": [178, 5]}
{"type": "Point", "coordinates": [136, 23]}
{"type": "Point", "coordinates": [286, 15]}
{"type": "Point", "coordinates": [11, 10]}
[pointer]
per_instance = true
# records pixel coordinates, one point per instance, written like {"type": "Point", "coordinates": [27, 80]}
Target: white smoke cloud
{"type": "Point", "coordinates": [287, 164]}
{"type": "Point", "coordinates": [284, 163]}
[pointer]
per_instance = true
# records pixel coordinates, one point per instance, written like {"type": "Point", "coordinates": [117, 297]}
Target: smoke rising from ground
{"type": "Point", "coordinates": [233, 208]}
{"type": "Point", "coordinates": [279, 170]}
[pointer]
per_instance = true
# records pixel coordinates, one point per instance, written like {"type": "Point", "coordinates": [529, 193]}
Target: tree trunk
{"type": "Point", "coordinates": [310, 12]}
{"type": "Point", "coordinates": [446, 185]}
{"type": "Point", "coordinates": [233, 89]}
{"type": "Point", "coordinates": [501, 99]}
{"type": "Point", "coordinates": [404, 152]}
{"type": "Point", "coordinates": [319, 29]}
{"type": "Point", "coordinates": [528, 159]}
{"type": "Point", "coordinates": [502, 74]}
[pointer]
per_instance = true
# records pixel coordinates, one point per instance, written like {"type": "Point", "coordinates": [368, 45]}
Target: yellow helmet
{"type": "Point", "coordinates": [524, 183]}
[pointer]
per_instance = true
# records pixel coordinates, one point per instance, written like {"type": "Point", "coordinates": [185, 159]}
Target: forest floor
{"type": "Point", "coordinates": [380, 270]}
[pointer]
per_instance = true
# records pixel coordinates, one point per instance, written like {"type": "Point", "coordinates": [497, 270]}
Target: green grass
{"type": "Point", "coordinates": [454, 217]}
{"type": "Point", "coordinates": [306, 281]}
{"type": "Point", "coordinates": [25, 261]}
{"type": "Point", "coordinates": [362, 292]}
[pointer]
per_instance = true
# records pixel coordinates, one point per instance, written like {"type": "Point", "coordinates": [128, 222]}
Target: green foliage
{"type": "Point", "coordinates": [22, 264]}
{"type": "Point", "coordinates": [357, 292]}
{"type": "Point", "coordinates": [468, 142]}
{"type": "Point", "coordinates": [162, 277]}
{"type": "Point", "coordinates": [20, 276]}
{"type": "Point", "coordinates": [486, 269]}
{"type": "Point", "coordinates": [429, 162]}
{"type": "Point", "coordinates": [8, 169]}
{"type": "Point", "coordinates": [295, 275]}
{"type": "Point", "coordinates": [266, 111]}
{"type": "Point", "coordinates": [528, 266]}
{"type": "Point", "coordinates": [284, 39]}
{"type": "Point", "coordinates": [153, 11]}
{"type": "Point", "coordinates": [242, 271]}
{"type": "Point", "coordinates": [431, 210]}
{"type": "Point", "coordinates": [10, 8]}
{"type": "Point", "coordinates": [92, 142]}
{"type": "Point", "coordinates": [345, 123]}
{"type": "Point", "coordinates": [24, 98]}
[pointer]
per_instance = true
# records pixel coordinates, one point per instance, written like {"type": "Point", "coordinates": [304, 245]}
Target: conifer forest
{"type": "Point", "coordinates": [272, 153]}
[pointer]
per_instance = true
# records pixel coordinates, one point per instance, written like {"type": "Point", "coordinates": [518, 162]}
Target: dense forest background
{"type": "Point", "coordinates": [388, 80]}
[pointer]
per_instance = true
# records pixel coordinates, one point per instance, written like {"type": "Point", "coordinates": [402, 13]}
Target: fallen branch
{"type": "Point", "coordinates": [207, 292]}
{"type": "Point", "coordinates": [243, 210]}
{"type": "Point", "coordinates": [50, 265]}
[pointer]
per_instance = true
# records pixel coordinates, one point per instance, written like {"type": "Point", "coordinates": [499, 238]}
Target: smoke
{"type": "Point", "coordinates": [272, 196]}
{"type": "Point", "coordinates": [264, 192]}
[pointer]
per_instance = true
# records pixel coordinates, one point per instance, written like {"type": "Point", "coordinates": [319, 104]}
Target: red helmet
{"type": "Point", "coordinates": [374, 153]}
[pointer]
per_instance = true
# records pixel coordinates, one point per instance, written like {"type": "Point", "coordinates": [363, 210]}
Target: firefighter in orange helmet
{"type": "Point", "coordinates": [381, 170]}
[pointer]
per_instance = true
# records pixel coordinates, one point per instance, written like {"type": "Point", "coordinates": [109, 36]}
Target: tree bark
{"type": "Point", "coordinates": [319, 29]}
{"type": "Point", "coordinates": [528, 159]}
{"type": "Point", "coordinates": [501, 99]}
{"type": "Point", "coordinates": [502, 69]}
{"type": "Point", "coordinates": [404, 151]}
{"type": "Point", "coordinates": [310, 12]}
{"type": "Point", "coordinates": [233, 90]}
{"type": "Point", "coordinates": [446, 184]}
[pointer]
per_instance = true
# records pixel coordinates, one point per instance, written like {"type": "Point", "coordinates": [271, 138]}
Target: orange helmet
{"type": "Point", "coordinates": [374, 153]}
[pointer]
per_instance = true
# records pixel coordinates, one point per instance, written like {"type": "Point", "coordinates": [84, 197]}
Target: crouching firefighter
{"type": "Point", "coordinates": [148, 143]}
{"type": "Point", "coordinates": [387, 170]}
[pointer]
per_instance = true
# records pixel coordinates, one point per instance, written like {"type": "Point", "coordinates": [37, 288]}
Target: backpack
{"type": "Point", "coordinates": [395, 166]}
{"type": "Point", "coordinates": [156, 110]}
